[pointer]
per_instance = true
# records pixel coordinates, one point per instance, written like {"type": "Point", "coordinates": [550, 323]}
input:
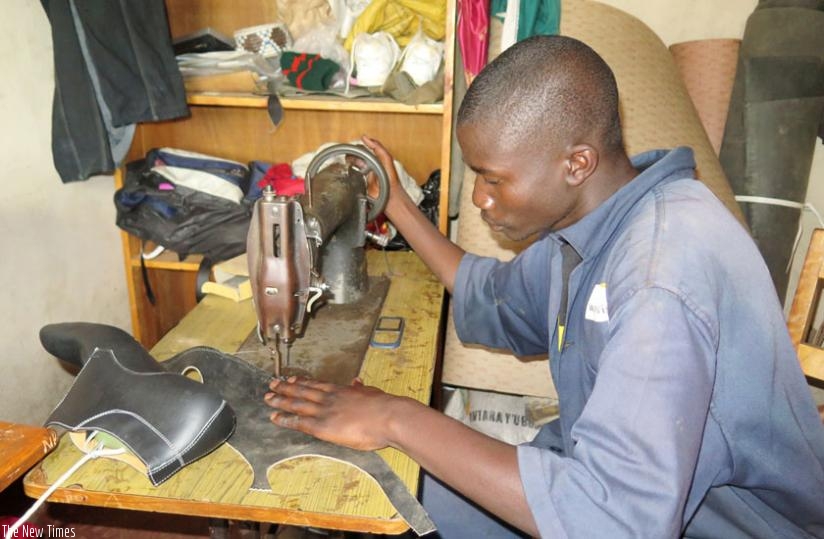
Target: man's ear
{"type": "Point", "coordinates": [581, 162]}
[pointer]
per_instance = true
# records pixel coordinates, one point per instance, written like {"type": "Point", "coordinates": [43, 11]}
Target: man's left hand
{"type": "Point", "coordinates": [356, 416]}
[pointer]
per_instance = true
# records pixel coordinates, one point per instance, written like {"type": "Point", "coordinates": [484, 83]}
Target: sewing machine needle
{"type": "Point", "coordinates": [274, 351]}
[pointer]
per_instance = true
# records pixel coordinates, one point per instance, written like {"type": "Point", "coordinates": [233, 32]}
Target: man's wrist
{"type": "Point", "coordinates": [401, 413]}
{"type": "Point", "coordinates": [398, 203]}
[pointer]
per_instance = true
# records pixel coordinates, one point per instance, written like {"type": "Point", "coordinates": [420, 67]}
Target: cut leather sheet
{"type": "Point", "coordinates": [264, 445]}
{"type": "Point", "coordinates": [125, 378]}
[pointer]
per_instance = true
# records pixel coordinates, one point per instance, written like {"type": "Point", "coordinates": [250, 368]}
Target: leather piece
{"type": "Point", "coordinates": [165, 419]}
{"type": "Point", "coordinates": [264, 444]}
{"type": "Point", "coordinates": [74, 342]}
{"type": "Point", "coordinates": [275, 109]}
{"type": "Point", "coordinates": [119, 374]}
{"type": "Point", "coordinates": [776, 111]}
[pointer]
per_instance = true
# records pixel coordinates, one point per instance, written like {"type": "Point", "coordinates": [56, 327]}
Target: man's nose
{"type": "Point", "coordinates": [480, 198]}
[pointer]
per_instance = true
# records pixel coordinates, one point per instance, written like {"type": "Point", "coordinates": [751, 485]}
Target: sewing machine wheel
{"type": "Point", "coordinates": [376, 204]}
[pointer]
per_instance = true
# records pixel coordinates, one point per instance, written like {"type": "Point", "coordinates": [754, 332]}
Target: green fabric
{"type": "Point", "coordinates": [497, 8]}
{"type": "Point", "coordinates": [308, 71]}
{"type": "Point", "coordinates": [535, 17]}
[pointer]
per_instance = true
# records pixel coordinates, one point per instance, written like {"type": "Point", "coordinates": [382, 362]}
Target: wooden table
{"type": "Point", "coordinates": [310, 491]}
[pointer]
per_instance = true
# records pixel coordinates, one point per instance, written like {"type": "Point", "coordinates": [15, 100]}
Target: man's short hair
{"type": "Point", "coordinates": [547, 89]}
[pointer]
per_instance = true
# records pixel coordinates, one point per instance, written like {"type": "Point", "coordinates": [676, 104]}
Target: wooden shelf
{"type": "Point", "coordinates": [229, 119]}
{"type": "Point", "coordinates": [169, 260]}
{"type": "Point", "coordinates": [312, 102]}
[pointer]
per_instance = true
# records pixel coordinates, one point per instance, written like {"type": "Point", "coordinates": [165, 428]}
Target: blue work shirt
{"type": "Point", "coordinates": [683, 408]}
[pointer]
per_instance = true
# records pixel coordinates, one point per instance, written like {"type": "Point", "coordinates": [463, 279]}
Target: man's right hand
{"type": "Point", "coordinates": [438, 253]}
{"type": "Point", "coordinates": [396, 189]}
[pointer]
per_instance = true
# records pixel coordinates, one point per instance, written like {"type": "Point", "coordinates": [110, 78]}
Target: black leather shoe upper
{"type": "Point", "coordinates": [165, 419]}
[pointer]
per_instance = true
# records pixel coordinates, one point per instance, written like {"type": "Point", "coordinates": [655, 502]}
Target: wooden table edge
{"type": "Point", "coordinates": [40, 440]}
{"type": "Point", "coordinates": [207, 509]}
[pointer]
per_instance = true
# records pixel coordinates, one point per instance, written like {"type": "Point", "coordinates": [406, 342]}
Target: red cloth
{"type": "Point", "coordinates": [473, 35]}
{"type": "Point", "coordinates": [285, 183]}
{"type": "Point", "coordinates": [282, 180]}
{"type": "Point", "coordinates": [379, 226]}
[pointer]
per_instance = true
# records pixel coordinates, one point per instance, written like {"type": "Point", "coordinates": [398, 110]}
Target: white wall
{"type": "Point", "coordinates": [676, 21]}
{"type": "Point", "coordinates": [61, 255]}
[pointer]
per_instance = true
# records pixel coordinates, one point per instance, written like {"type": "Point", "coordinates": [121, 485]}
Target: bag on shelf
{"type": "Point", "coordinates": [373, 58]}
{"type": "Point", "coordinates": [422, 57]}
{"type": "Point", "coordinates": [187, 202]}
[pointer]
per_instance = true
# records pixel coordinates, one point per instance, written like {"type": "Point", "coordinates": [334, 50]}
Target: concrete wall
{"type": "Point", "coordinates": [61, 255]}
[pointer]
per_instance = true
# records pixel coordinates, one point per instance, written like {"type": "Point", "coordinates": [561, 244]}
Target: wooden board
{"type": "Point", "coordinates": [188, 16]}
{"type": "Point", "coordinates": [307, 491]}
{"type": "Point", "coordinates": [21, 446]}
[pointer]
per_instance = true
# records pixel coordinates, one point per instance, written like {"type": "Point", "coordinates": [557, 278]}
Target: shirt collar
{"type": "Point", "coordinates": [657, 167]}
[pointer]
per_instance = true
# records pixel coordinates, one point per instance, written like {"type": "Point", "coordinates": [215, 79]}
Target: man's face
{"type": "Point", "coordinates": [520, 191]}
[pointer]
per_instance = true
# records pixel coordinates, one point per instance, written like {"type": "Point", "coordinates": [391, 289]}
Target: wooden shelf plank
{"type": "Point", "coordinates": [169, 260]}
{"type": "Point", "coordinates": [312, 102]}
{"type": "Point", "coordinates": [812, 360]}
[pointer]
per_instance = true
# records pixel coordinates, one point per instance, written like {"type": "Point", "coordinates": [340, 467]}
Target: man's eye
{"type": "Point", "coordinates": [491, 181]}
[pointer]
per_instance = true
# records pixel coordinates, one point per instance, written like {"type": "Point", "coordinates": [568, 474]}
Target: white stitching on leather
{"type": "Point", "coordinates": [136, 416]}
{"type": "Point", "coordinates": [197, 438]}
{"type": "Point", "coordinates": [205, 427]}
{"type": "Point", "coordinates": [101, 429]}
{"type": "Point", "coordinates": [178, 455]}
{"type": "Point", "coordinates": [83, 368]}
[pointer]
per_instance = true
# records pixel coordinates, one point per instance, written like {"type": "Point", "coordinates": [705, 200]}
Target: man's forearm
{"type": "Point", "coordinates": [483, 469]}
{"type": "Point", "coordinates": [439, 254]}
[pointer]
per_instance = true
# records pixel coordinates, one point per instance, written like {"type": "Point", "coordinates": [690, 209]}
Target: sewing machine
{"type": "Point", "coordinates": [309, 250]}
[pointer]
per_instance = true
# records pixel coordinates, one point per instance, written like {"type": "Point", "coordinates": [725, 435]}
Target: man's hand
{"type": "Point", "coordinates": [438, 253]}
{"type": "Point", "coordinates": [366, 418]}
{"type": "Point", "coordinates": [386, 160]}
{"type": "Point", "coordinates": [356, 416]}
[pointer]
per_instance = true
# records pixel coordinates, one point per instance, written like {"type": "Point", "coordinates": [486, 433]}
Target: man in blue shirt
{"type": "Point", "coordinates": [684, 411]}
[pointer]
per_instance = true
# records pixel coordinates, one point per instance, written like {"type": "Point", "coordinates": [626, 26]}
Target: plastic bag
{"type": "Point", "coordinates": [322, 39]}
{"type": "Point", "coordinates": [401, 19]}
{"type": "Point", "coordinates": [374, 57]}
{"type": "Point", "coordinates": [301, 16]}
{"type": "Point", "coordinates": [421, 58]}
{"type": "Point", "coordinates": [500, 416]}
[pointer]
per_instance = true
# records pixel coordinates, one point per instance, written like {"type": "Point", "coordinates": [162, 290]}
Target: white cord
{"type": "Point", "coordinates": [154, 253]}
{"type": "Point", "coordinates": [787, 204]}
{"type": "Point", "coordinates": [98, 451]}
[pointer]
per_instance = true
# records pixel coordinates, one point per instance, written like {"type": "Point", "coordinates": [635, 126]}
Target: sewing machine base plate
{"type": "Point", "coordinates": [335, 342]}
